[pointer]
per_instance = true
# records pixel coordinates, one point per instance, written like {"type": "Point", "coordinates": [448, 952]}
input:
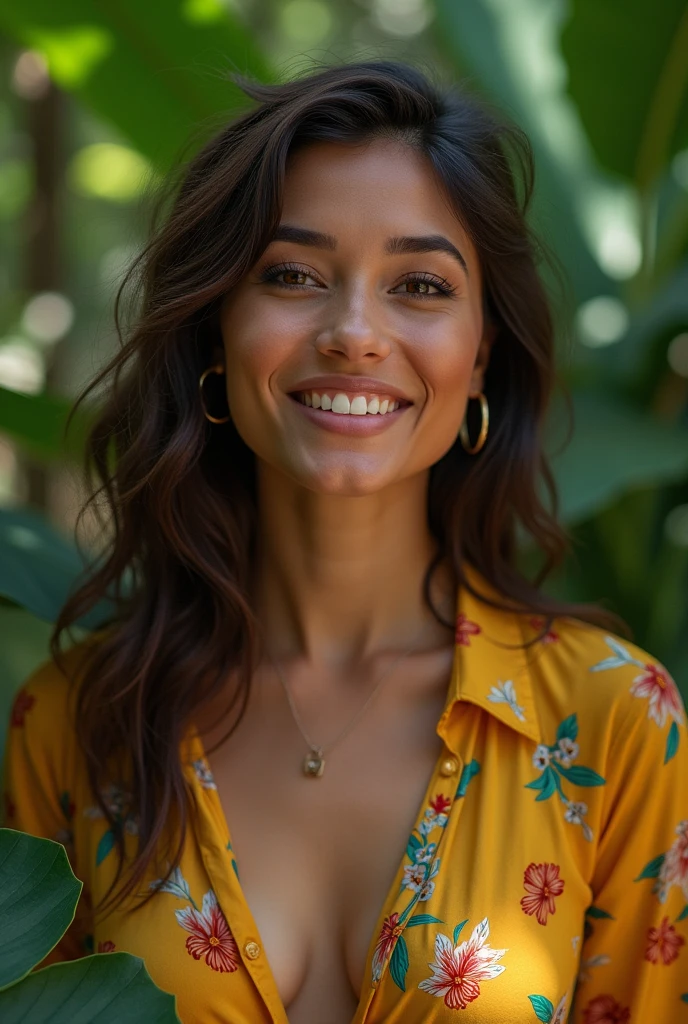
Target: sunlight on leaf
{"type": "Point", "coordinates": [72, 52]}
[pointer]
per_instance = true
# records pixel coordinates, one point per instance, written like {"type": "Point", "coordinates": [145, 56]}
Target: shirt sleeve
{"type": "Point", "coordinates": [38, 783]}
{"type": "Point", "coordinates": [634, 958]}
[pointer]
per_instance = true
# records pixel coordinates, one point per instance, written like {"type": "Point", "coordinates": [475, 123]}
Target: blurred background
{"type": "Point", "coordinates": [98, 100]}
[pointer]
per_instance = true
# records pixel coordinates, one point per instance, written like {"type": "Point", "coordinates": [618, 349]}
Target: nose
{"type": "Point", "coordinates": [356, 330]}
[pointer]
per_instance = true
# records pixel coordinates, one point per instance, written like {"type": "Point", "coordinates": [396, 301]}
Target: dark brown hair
{"type": "Point", "coordinates": [179, 494]}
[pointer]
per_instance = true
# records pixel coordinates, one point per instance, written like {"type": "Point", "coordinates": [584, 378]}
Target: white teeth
{"type": "Point", "coordinates": [356, 406]}
{"type": "Point", "coordinates": [341, 404]}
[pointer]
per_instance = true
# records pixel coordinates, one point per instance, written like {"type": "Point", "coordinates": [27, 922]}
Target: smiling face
{"type": "Point", "coordinates": [370, 290]}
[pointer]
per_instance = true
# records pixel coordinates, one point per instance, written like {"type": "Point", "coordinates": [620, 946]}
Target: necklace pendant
{"type": "Point", "coordinates": [314, 764]}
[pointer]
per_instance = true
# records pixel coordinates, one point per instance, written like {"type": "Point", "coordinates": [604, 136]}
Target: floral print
{"type": "Point", "coordinates": [505, 693]}
{"type": "Point", "coordinates": [210, 938]}
{"type": "Point", "coordinates": [458, 970]}
{"type": "Point", "coordinates": [550, 637]}
{"type": "Point", "coordinates": [203, 773]}
{"type": "Point", "coordinates": [655, 685]}
{"type": "Point", "coordinates": [663, 943]}
{"type": "Point", "coordinates": [605, 1010]}
{"type": "Point", "coordinates": [465, 629]}
{"type": "Point", "coordinates": [23, 703]}
{"type": "Point", "coordinates": [555, 762]}
{"type": "Point", "coordinates": [540, 757]}
{"type": "Point", "coordinates": [546, 1011]}
{"type": "Point", "coordinates": [542, 884]}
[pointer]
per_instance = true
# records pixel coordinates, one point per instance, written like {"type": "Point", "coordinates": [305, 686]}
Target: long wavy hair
{"type": "Point", "coordinates": [176, 496]}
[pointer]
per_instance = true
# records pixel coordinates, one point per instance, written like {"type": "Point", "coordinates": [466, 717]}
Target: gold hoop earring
{"type": "Point", "coordinates": [485, 423]}
{"type": "Point", "coordinates": [211, 369]}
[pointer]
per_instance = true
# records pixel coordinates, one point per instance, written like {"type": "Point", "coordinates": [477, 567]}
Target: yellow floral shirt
{"type": "Point", "coordinates": [549, 855]}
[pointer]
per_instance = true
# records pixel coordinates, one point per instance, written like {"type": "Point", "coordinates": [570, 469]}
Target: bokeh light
{"type": "Point", "coordinates": [47, 317]}
{"type": "Point", "coordinates": [30, 78]}
{"type": "Point", "coordinates": [109, 171]}
{"type": "Point", "coordinates": [306, 21]}
{"type": "Point", "coordinates": [602, 321]}
{"type": "Point", "coordinates": [21, 367]}
{"type": "Point", "coordinates": [676, 526]}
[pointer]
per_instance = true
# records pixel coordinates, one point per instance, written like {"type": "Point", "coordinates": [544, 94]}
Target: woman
{"type": "Point", "coordinates": [335, 758]}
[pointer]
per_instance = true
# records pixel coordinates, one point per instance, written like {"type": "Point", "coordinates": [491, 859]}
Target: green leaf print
{"type": "Point", "coordinates": [672, 742]}
{"type": "Point", "coordinates": [105, 846]}
{"type": "Point", "coordinates": [414, 844]}
{"type": "Point", "coordinates": [458, 929]}
{"type": "Point", "coordinates": [651, 869]}
{"type": "Point", "coordinates": [598, 912]}
{"type": "Point", "coordinates": [469, 771]}
{"type": "Point", "coordinates": [543, 1008]}
{"type": "Point", "coordinates": [568, 729]}
{"type": "Point", "coordinates": [683, 915]}
{"type": "Point", "coordinates": [399, 963]}
{"type": "Point", "coordinates": [579, 775]}
{"type": "Point", "coordinates": [423, 919]}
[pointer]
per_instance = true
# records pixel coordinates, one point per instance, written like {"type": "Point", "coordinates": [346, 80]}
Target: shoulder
{"type": "Point", "coordinates": [43, 707]}
{"type": "Point", "coordinates": [618, 689]}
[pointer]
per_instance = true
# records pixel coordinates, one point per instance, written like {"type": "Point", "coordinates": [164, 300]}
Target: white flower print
{"type": "Point", "coordinates": [431, 821]}
{"type": "Point", "coordinates": [176, 884]}
{"type": "Point", "coordinates": [566, 752]}
{"type": "Point", "coordinates": [457, 970]}
{"type": "Point", "coordinates": [204, 774]}
{"type": "Point", "coordinates": [417, 878]}
{"type": "Point", "coordinates": [424, 854]}
{"type": "Point", "coordinates": [575, 813]}
{"type": "Point", "coordinates": [541, 757]}
{"type": "Point", "coordinates": [585, 972]}
{"type": "Point", "coordinates": [559, 1015]}
{"type": "Point", "coordinates": [505, 693]}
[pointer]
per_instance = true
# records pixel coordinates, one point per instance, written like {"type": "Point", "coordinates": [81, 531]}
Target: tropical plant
{"type": "Point", "coordinates": [38, 898]}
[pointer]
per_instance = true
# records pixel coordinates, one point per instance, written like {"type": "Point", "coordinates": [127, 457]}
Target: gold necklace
{"type": "Point", "coordinates": [313, 764]}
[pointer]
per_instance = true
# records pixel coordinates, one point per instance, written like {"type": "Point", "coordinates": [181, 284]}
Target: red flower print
{"type": "Point", "coordinates": [661, 690]}
{"type": "Point", "coordinates": [23, 702]}
{"type": "Point", "coordinates": [456, 971]}
{"type": "Point", "coordinates": [465, 629]}
{"type": "Point", "coordinates": [663, 943]}
{"type": "Point", "coordinates": [210, 935]}
{"type": "Point", "coordinates": [605, 1010]}
{"type": "Point", "coordinates": [440, 804]}
{"type": "Point", "coordinates": [106, 947]}
{"type": "Point", "coordinates": [674, 870]}
{"type": "Point", "coordinates": [542, 883]}
{"type": "Point", "coordinates": [391, 929]}
{"type": "Point", "coordinates": [550, 637]}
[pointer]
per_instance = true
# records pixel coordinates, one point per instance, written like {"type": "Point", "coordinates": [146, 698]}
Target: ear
{"type": "Point", "coordinates": [482, 358]}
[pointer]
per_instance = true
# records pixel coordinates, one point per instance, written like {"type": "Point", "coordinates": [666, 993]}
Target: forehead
{"type": "Point", "coordinates": [369, 191]}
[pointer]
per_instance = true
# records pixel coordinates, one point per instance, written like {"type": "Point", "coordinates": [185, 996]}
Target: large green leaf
{"type": "Point", "coordinates": [107, 988]}
{"type": "Point", "coordinates": [38, 567]}
{"type": "Point", "coordinates": [38, 897]}
{"type": "Point", "coordinates": [614, 448]}
{"type": "Point", "coordinates": [156, 70]}
{"type": "Point", "coordinates": [628, 75]}
{"type": "Point", "coordinates": [471, 34]}
{"type": "Point", "coordinates": [37, 422]}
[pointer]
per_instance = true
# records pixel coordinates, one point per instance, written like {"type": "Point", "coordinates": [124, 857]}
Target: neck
{"type": "Point", "coordinates": [340, 579]}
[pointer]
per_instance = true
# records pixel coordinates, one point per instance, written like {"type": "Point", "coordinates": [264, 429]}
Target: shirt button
{"type": "Point", "coordinates": [449, 766]}
{"type": "Point", "coordinates": [252, 950]}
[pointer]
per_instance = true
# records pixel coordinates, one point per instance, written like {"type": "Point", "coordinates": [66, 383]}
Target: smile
{"type": "Point", "coordinates": [343, 404]}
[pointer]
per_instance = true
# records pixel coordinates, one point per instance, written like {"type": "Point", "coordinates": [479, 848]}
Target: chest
{"type": "Point", "coordinates": [316, 857]}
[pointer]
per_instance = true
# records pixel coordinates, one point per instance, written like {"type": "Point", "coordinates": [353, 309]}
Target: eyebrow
{"type": "Point", "coordinates": [394, 246]}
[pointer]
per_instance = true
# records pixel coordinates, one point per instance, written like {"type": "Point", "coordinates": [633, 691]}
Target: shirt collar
{"type": "Point", "coordinates": [491, 667]}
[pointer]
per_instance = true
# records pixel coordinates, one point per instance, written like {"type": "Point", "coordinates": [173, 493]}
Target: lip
{"type": "Point", "coordinates": [358, 426]}
{"type": "Point", "coordinates": [351, 384]}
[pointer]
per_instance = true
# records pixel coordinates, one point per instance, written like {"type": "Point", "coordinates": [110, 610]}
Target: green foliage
{"type": "Point", "coordinates": [38, 898]}
{"type": "Point", "coordinates": [157, 71]}
{"type": "Point", "coordinates": [628, 74]}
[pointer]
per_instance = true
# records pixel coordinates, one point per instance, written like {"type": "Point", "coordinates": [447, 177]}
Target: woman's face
{"type": "Point", "coordinates": [370, 290]}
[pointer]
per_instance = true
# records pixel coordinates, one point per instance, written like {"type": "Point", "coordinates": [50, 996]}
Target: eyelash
{"type": "Point", "coordinates": [270, 275]}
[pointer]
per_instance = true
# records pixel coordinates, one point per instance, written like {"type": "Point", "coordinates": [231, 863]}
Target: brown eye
{"type": "Point", "coordinates": [294, 277]}
{"type": "Point", "coordinates": [419, 287]}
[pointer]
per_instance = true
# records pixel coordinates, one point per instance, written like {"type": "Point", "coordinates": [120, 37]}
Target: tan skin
{"type": "Point", "coordinates": [344, 545]}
